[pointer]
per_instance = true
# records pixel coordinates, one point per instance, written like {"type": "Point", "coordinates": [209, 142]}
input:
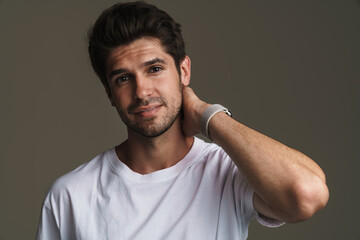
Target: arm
{"type": "Point", "coordinates": [288, 185]}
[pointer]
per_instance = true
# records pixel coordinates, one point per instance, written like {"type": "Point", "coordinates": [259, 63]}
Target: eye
{"type": "Point", "coordinates": [155, 69]}
{"type": "Point", "coordinates": [122, 79]}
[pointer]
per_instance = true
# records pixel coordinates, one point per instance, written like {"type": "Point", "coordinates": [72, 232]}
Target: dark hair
{"type": "Point", "coordinates": [123, 23]}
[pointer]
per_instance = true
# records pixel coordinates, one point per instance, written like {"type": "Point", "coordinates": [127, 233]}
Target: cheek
{"type": "Point", "coordinates": [176, 96]}
{"type": "Point", "coordinates": [121, 99]}
{"type": "Point", "coordinates": [170, 84]}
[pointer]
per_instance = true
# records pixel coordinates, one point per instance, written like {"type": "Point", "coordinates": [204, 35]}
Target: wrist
{"type": "Point", "coordinates": [208, 114]}
{"type": "Point", "coordinates": [202, 108]}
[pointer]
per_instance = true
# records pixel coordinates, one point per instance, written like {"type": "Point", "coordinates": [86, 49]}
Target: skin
{"type": "Point", "coordinates": [136, 73]}
{"type": "Point", "coordinates": [289, 186]}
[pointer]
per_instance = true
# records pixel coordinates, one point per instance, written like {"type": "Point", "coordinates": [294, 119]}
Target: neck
{"type": "Point", "coordinates": [145, 155]}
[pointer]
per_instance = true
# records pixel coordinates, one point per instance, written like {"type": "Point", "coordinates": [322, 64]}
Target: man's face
{"type": "Point", "coordinates": [145, 86]}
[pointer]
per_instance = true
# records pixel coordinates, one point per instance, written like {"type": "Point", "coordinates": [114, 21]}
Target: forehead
{"type": "Point", "coordinates": [135, 53]}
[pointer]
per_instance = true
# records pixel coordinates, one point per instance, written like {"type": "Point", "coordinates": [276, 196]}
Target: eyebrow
{"type": "Point", "coordinates": [153, 61]}
{"type": "Point", "coordinates": [145, 64]}
{"type": "Point", "coordinates": [117, 72]}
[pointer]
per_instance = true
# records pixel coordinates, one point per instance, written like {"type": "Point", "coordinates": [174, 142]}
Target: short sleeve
{"type": "Point", "coordinates": [244, 192]}
{"type": "Point", "coordinates": [47, 228]}
{"type": "Point", "coordinates": [268, 222]}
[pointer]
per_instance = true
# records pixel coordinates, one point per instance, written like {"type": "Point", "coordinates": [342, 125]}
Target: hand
{"type": "Point", "coordinates": [193, 108]}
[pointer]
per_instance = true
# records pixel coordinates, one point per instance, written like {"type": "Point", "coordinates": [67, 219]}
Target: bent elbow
{"type": "Point", "coordinates": [310, 199]}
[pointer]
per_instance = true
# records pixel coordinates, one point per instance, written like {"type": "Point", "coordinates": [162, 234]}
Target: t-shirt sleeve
{"type": "Point", "coordinates": [47, 228]}
{"type": "Point", "coordinates": [244, 192]}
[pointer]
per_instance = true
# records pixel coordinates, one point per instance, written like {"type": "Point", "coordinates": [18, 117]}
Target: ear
{"type": "Point", "coordinates": [108, 93]}
{"type": "Point", "coordinates": [185, 68]}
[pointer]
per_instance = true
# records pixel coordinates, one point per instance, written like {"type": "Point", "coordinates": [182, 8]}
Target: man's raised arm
{"type": "Point", "coordinates": [289, 186]}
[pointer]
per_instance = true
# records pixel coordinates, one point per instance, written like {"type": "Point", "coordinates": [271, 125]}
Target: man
{"type": "Point", "coordinates": [162, 182]}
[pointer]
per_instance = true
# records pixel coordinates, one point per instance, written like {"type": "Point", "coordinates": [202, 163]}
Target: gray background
{"type": "Point", "coordinates": [289, 69]}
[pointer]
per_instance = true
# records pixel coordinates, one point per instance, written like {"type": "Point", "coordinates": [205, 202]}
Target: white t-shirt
{"type": "Point", "coordinates": [202, 197]}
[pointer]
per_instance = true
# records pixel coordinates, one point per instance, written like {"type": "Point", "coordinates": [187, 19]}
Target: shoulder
{"type": "Point", "coordinates": [77, 179]}
{"type": "Point", "coordinates": [213, 156]}
{"type": "Point", "coordinates": [212, 151]}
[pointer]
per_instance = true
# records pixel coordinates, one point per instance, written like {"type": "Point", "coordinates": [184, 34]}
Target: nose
{"type": "Point", "coordinates": [143, 87]}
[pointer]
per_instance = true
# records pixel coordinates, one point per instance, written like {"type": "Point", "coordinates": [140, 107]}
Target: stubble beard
{"type": "Point", "coordinates": [147, 127]}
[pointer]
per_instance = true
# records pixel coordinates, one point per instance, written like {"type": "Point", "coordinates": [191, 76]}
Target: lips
{"type": "Point", "coordinates": [147, 111]}
{"type": "Point", "coordinates": [147, 107]}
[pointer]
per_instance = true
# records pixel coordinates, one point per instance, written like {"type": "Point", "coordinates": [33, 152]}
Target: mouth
{"type": "Point", "coordinates": [148, 111]}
